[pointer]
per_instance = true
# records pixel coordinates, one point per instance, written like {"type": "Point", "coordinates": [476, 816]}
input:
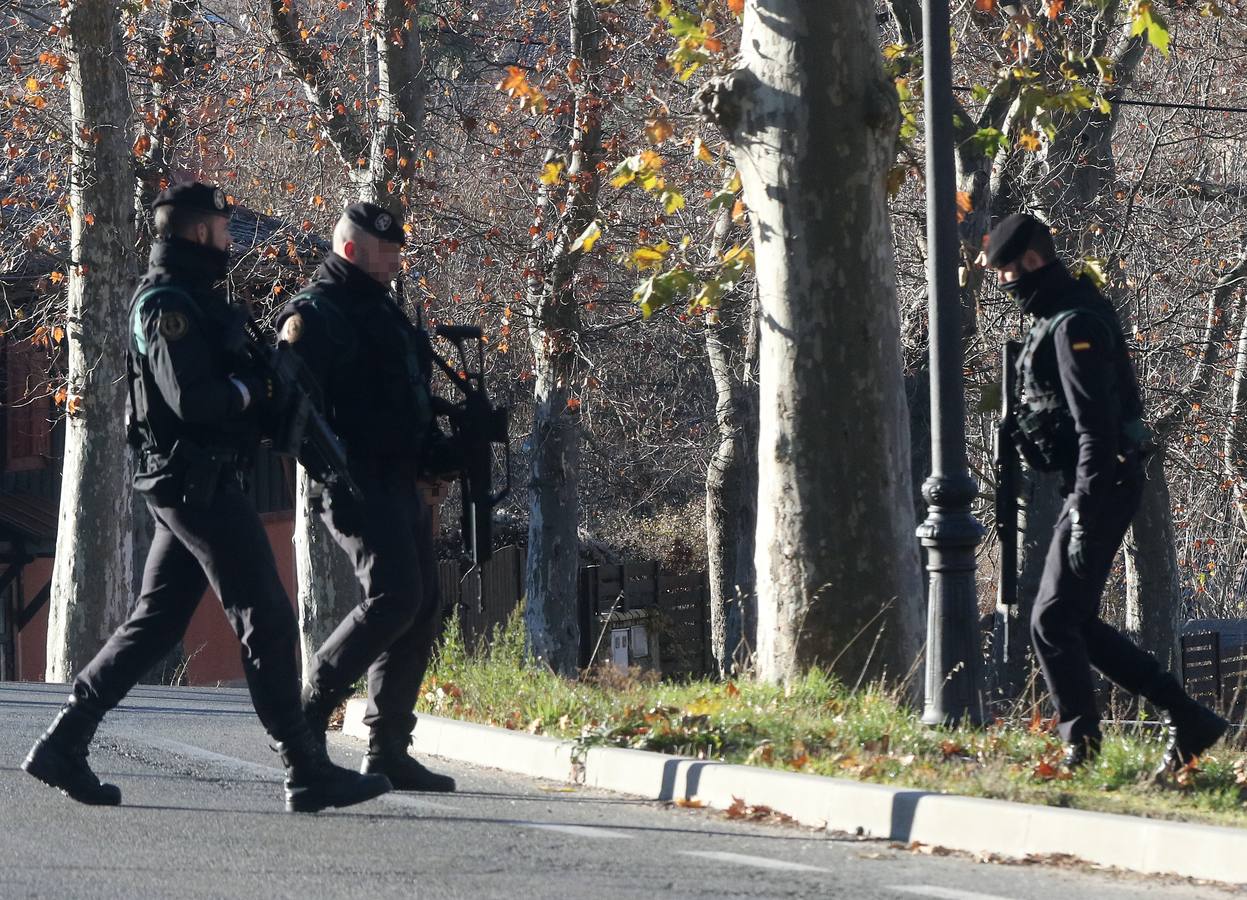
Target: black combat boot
{"type": "Point", "coordinates": [1193, 727]}
{"type": "Point", "coordinates": [387, 755]}
{"type": "Point", "coordinates": [59, 757]}
{"type": "Point", "coordinates": [1081, 752]}
{"type": "Point", "coordinates": [313, 782]}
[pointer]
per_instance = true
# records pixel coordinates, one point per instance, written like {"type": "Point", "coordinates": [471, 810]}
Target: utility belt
{"type": "Point", "coordinates": [189, 475]}
{"type": "Point", "coordinates": [1047, 426]}
{"type": "Point", "coordinates": [390, 475]}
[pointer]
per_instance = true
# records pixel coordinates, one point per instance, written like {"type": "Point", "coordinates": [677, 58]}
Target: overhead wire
{"type": "Point", "coordinates": [1157, 104]}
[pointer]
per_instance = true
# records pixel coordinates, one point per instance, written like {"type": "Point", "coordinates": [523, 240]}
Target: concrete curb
{"type": "Point", "coordinates": [899, 814]}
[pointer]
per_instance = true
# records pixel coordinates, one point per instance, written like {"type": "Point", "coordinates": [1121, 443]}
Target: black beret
{"type": "Point", "coordinates": [195, 195]}
{"type": "Point", "coordinates": [1010, 239]}
{"type": "Point", "coordinates": [377, 221]}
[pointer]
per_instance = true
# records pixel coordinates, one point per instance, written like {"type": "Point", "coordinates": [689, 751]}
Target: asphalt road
{"type": "Point", "coordinates": [202, 816]}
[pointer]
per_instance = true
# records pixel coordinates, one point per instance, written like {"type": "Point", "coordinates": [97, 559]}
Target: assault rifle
{"type": "Point", "coordinates": [1006, 462]}
{"type": "Point", "coordinates": [298, 429]}
{"type": "Point", "coordinates": [476, 425]}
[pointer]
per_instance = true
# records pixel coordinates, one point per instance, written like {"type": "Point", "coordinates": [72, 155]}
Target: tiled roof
{"type": "Point", "coordinates": [28, 518]}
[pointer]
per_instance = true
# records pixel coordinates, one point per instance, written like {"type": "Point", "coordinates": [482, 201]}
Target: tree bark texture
{"type": "Point", "coordinates": [379, 156]}
{"type": "Point", "coordinates": [732, 483]}
{"type": "Point", "coordinates": [92, 572]}
{"type": "Point", "coordinates": [837, 562]}
{"type": "Point", "coordinates": [1154, 609]}
{"type": "Point", "coordinates": [553, 507]}
{"type": "Point", "coordinates": [1236, 429]}
{"type": "Point", "coordinates": [1153, 620]}
{"type": "Point", "coordinates": [327, 587]}
{"type": "Point", "coordinates": [400, 105]}
{"type": "Point", "coordinates": [158, 144]}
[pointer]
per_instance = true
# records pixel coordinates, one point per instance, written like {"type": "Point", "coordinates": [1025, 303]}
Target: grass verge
{"type": "Point", "coordinates": [818, 726]}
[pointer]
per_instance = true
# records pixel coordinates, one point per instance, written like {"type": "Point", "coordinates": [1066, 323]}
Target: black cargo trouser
{"type": "Point", "coordinates": [223, 545]}
{"type": "Point", "coordinates": [1069, 635]}
{"type": "Point", "coordinates": [388, 537]}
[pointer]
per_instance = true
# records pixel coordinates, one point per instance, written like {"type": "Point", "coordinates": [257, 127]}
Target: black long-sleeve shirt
{"type": "Point", "coordinates": [185, 384]}
{"type": "Point", "coordinates": [373, 365]}
{"type": "Point", "coordinates": [1087, 363]}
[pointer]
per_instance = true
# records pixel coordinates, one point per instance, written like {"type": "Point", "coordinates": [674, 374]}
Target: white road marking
{"type": "Point", "coordinates": [942, 893]}
{"type": "Point", "coordinates": [268, 773]}
{"type": "Point", "coordinates": [761, 862]}
{"type": "Point", "coordinates": [589, 831]}
{"type": "Point", "coordinates": [193, 752]}
{"type": "Point", "coordinates": [413, 802]}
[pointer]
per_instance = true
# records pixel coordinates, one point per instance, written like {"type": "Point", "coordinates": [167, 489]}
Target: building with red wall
{"type": "Point", "coordinates": [31, 438]}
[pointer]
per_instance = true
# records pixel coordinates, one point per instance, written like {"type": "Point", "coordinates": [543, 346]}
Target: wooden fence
{"type": "Point", "coordinates": [1214, 664]}
{"type": "Point", "coordinates": [671, 611]}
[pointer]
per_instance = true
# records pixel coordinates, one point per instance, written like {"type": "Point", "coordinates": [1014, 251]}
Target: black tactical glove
{"type": "Point", "coordinates": [234, 335]}
{"type": "Point", "coordinates": [1079, 552]}
{"type": "Point", "coordinates": [255, 391]}
{"type": "Point", "coordinates": [442, 456]}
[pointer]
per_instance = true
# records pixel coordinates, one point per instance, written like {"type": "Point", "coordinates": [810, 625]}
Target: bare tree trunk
{"type": "Point", "coordinates": [400, 104]}
{"type": "Point", "coordinates": [327, 587]}
{"type": "Point", "coordinates": [1151, 548]}
{"type": "Point", "coordinates": [553, 506]}
{"type": "Point", "coordinates": [1153, 585]}
{"type": "Point", "coordinates": [91, 575]}
{"type": "Point", "coordinates": [327, 596]}
{"type": "Point", "coordinates": [837, 561]}
{"type": "Point", "coordinates": [157, 144]}
{"type": "Point", "coordinates": [1235, 432]}
{"type": "Point", "coordinates": [732, 476]}
{"type": "Point", "coordinates": [732, 484]}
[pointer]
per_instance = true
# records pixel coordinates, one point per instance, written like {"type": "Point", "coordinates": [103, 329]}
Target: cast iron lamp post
{"type": "Point", "coordinates": [950, 532]}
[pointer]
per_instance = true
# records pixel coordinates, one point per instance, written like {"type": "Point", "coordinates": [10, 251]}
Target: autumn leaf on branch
{"type": "Point", "coordinates": [964, 205]}
{"type": "Point", "coordinates": [587, 238]}
{"type": "Point", "coordinates": [552, 173]}
{"type": "Point", "coordinates": [1029, 141]}
{"type": "Point", "coordinates": [658, 129]}
{"type": "Point", "coordinates": [1146, 21]}
{"type": "Point", "coordinates": [515, 84]}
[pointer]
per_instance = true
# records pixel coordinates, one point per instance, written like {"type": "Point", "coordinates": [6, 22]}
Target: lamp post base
{"type": "Point", "coordinates": [954, 656]}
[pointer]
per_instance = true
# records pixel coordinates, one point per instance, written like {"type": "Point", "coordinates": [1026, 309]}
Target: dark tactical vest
{"type": "Point", "coordinates": [1043, 415]}
{"type": "Point", "coordinates": [153, 427]}
{"type": "Point", "coordinates": [378, 397]}
{"type": "Point", "coordinates": [182, 461]}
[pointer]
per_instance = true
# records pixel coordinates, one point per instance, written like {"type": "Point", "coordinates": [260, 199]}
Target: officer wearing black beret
{"type": "Point", "coordinates": [373, 366]}
{"type": "Point", "coordinates": [1080, 414]}
{"type": "Point", "coordinates": [193, 421]}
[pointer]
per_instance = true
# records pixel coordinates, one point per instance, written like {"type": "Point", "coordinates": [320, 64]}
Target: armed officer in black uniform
{"type": "Point", "coordinates": [374, 367]}
{"type": "Point", "coordinates": [1080, 414]}
{"type": "Point", "coordinates": [195, 406]}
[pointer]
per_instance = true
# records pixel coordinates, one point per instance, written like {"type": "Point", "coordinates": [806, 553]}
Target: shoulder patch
{"type": "Point", "coordinates": [292, 329]}
{"type": "Point", "coordinates": [172, 325]}
{"type": "Point", "coordinates": [1081, 345]}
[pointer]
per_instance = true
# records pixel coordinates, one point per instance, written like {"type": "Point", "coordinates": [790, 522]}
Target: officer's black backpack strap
{"type": "Point", "coordinates": [138, 345]}
{"type": "Point", "coordinates": [340, 330]}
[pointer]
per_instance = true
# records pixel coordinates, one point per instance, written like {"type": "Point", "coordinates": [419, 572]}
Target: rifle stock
{"type": "Point", "coordinates": [299, 429]}
{"type": "Point", "coordinates": [476, 425]}
{"type": "Point", "coordinates": [1006, 464]}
